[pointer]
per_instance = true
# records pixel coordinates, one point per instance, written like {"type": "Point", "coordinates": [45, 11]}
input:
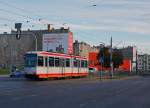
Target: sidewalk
{"type": "Point", "coordinates": [107, 77]}
{"type": "Point", "coordinates": [5, 75]}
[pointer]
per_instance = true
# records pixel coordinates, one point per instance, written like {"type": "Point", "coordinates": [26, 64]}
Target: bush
{"type": "Point", "coordinates": [4, 71]}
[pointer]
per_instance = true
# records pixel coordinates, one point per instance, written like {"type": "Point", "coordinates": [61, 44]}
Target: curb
{"type": "Point", "coordinates": [123, 78]}
{"type": "Point", "coordinates": [4, 75]}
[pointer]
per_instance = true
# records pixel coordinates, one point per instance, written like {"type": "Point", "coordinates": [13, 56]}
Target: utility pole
{"type": "Point", "coordinates": [111, 61]}
{"type": "Point", "coordinates": [101, 59]}
{"type": "Point", "coordinates": [136, 62]}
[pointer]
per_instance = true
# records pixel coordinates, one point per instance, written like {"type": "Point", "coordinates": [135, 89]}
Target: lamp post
{"type": "Point", "coordinates": [111, 56]}
{"type": "Point", "coordinates": [136, 62]}
{"type": "Point", "coordinates": [101, 59]}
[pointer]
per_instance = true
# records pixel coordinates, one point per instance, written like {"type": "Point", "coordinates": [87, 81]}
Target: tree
{"type": "Point", "coordinates": [117, 58]}
{"type": "Point", "coordinates": [104, 57]}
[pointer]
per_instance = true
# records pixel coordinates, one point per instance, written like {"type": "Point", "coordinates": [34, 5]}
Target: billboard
{"type": "Point", "coordinates": [58, 42]}
{"type": "Point", "coordinates": [70, 43]}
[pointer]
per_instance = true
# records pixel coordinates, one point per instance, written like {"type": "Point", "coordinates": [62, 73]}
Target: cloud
{"type": "Point", "coordinates": [4, 30]}
{"type": "Point", "coordinates": [130, 16]}
{"type": "Point", "coordinates": [133, 27]}
{"type": "Point", "coordinates": [109, 15]}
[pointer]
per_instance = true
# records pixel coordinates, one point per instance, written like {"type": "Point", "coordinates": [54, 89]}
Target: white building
{"type": "Point", "coordinates": [144, 62]}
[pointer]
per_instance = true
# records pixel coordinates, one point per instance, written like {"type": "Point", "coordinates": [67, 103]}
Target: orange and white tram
{"type": "Point", "coordinates": [53, 65]}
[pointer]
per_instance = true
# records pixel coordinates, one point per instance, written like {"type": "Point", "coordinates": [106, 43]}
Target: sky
{"type": "Point", "coordinates": [91, 21]}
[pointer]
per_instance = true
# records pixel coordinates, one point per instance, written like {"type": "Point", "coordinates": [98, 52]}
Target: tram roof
{"type": "Point", "coordinates": [53, 54]}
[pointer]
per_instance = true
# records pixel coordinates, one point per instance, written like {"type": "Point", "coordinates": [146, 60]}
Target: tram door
{"type": "Point", "coordinates": [62, 63]}
{"type": "Point", "coordinates": [46, 65]}
{"type": "Point", "coordinates": [51, 64]}
{"type": "Point", "coordinates": [78, 64]}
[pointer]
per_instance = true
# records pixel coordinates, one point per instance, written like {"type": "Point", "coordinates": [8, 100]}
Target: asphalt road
{"type": "Point", "coordinates": [75, 93]}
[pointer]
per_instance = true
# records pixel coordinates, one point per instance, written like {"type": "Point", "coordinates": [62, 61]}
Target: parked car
{"type": "Point", "coordinates": [17, 74]}
{"type": "Point", "coordinates": [92, 70]}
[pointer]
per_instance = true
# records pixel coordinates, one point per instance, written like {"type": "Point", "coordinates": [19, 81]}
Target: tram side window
{"type": "Point", "coordinates": [86, 63]}
{"type": "Point", "coordinates": [51, 61]}
{"type": "Point", "coordinates": [75, 63]}
{"type": "Point", "coordinates": [62, 62]}
{"type": "Point", "coordinates": [67, 62]}
{"type": "Point", "coordinates": [78, 61]}
{"type": "Point", "coordinates": [57, 62]}
{"type": "Point", "coordinates": [82, 63]}
{"type": "Point", "coordinates": [40, 61]}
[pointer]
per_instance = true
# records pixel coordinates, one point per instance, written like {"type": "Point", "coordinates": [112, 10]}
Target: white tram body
{"type": "Point", "coordinates": [52, 65]}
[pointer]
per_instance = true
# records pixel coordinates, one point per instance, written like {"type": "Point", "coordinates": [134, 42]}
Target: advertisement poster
{"type": "Point", "coordinates": [58, 42]}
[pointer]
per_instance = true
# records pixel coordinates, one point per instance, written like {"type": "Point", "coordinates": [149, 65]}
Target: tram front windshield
{"type": "Point", "coordinates": [30, 60]}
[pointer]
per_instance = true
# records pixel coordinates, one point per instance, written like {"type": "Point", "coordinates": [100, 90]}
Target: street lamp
{"type": "Point", "coordinates": [101, 59]}
{"type": "Point", "coordinates": [111, 56]}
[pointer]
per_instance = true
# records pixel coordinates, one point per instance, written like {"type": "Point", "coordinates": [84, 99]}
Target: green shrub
{"type": "Point", "coordinates": [4, 71]}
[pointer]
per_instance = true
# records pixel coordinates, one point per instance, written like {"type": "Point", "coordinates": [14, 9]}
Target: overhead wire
{"type": "Point", "coordinates": [84, 35]}
{"type": "Point", "coordinates": [18, 8]}
{"type": "Point", "coordinates": [40, 19]}
{"type": "Point", "coordinates": [14, 13]}
{"type": "Point", "coordinates": [29, 20]}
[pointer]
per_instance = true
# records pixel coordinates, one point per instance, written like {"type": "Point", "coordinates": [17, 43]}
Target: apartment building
{"type": "Point", "coordinates": [82, 49]}
{"type": "Point", "coordinates": [143, 62]}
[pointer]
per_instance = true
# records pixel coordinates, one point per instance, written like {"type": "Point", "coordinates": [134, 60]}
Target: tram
{"type": "Point", "coordinates": [40, 64]}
